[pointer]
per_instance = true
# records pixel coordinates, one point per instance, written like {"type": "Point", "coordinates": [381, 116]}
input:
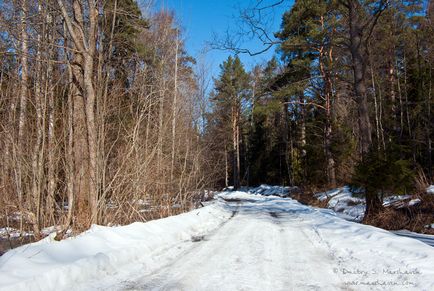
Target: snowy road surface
{"type": "Point", "coordinates": [245, 242]}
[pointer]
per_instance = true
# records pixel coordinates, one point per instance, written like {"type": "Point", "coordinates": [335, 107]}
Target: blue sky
{"type": "Point", "coordinates": [201, 18]}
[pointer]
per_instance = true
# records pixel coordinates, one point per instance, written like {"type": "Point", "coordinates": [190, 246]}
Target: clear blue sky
{"type": "Point", "coordinates": [201, 18]}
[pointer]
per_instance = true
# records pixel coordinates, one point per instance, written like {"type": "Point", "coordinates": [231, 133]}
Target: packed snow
{"type": "Point", "coordinates": [426, 238]}
{"type": "Point", "coordinates": [50, 265]}
{"type": "Point", "coordinates": [240, 241]}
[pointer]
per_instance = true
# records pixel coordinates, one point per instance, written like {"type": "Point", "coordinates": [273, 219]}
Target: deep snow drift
{"type": "Point", "coordinates": [239, 241]}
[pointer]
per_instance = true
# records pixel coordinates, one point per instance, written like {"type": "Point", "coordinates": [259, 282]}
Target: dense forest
{"type": "Point", "coordinates": [346, 100]}
{"type": "Point", "coordinates": [103, 111]}
{"type": "Point", "coordinates": [100, 109]}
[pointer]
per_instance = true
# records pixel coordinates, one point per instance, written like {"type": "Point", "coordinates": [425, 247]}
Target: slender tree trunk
{"type": "Point", "coordinates": [359, 59]}
{"type": "Point", "coordinates": [81, 157]}
{"type": "Point", "coordinates": [380, 118]}
{"type": "Point", "coordinates": [377, 122]}
{"type": "Point", "coordinates": [287, 137]}
{"type": "Point", "coordinates": [429, 125]}
{"type": "Point", "coordinates": [392, 84]}
{"type": "Point", "coordinates": [175, 96]}
{"type": "Point", "coordinates": [51, 144]}
{"type": "Point", "coordinates": [38, 150]}
{"type": "Point", "coordinates": [236, 158]}
{"type": "Point", "coordinates": [302, 126]}
{"type": "Point", "coordinates": [71, 180]}
{"type": "Point", "coordinates": [328, 130]}
{"type": "Point", "coordinates": [401, 109]}
{"type": "Point", "coordinates": [69, 141]}
{"type": "Point", "coordinates": [359, 71]}
{"type": "Point", "coordinates": [238, 148]}
{"type": "Point", "coordinates": [226, 168]}
{"type": "Point", "coordinates": [160, 125]}
{"type": "Point", "coordinates": [92, 138]}
{"type": "Point", "coordinates": [85, 129]}
{"type": "Point", "coordinates": [331, 172]}
{"type": "Point", "coordinates": [23, 100]}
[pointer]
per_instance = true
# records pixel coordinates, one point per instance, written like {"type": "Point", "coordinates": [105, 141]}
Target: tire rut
{"type": "Point", "coordinates": [196, 242]}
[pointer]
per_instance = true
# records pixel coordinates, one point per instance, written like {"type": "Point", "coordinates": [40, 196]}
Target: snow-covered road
{"type": "Point", "coordinates": [278, 244]}
{"type": "Point", "coordinates": [259, 248]}
{"type": "Point", "coordinates": [251, 242]}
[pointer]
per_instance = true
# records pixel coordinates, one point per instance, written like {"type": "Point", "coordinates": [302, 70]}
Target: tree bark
{"type": "Point", "coordinates": [84, 98]}
{"type": "Point", "coordinates": [38, 149]}
{"type": "Point", "coordinates": [23, 99]}
{"type": "Point", "coordinates": [359, 60]}
{"type": "Point", "coordinates": [302, 126]}
{"type": "Point", "coordinates": [235, 144]}
{"type": "Point", "coordinates": [175, 101]}
{"type": "Point", "coordinates": [328, 130]}
{"type": "Point", "coordinates": [359, 71]}
{"type": "Point", "coordinates": [226, 168]}
{"type": "Point", "coordinates": [51, 144]}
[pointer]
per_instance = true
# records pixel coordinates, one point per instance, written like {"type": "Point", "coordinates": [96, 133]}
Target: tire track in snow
{"type": "Point", "coordinates": [263, 254]}
{"type": "Point", "coordinates": [183, 249]}
{"type": "Point", "coordinates": [169, 277]}
{"type": "Point", "coordinates": [266, 244]}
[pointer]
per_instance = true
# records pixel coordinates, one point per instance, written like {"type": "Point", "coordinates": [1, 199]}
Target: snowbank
{"type": "Point", "coordinates": [344, 203]}
{"type": "Point", "coordinates": [430, 189]}
{"type": "Point", "coordinates": [348, 206]}
{"type": "Point", "coordinates": [268, 190]}
{"type": "Point", "coordinates": [377, 257]}
{"type": "Point", "coordinates": [237, 195]}
{"type": "Point", "coordinates": [303, 246]}
{"type": "Point", "coordinates": [52, 265]}
{"type": "Point", "coordinates": [252, 193]}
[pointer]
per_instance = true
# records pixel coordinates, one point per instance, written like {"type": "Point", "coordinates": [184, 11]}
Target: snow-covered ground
{"type": "Point", "coordinates": [240, 241]}
{"type": "Point", "coordinates": [10, 232]}
{"type": "Point", "coordinates": [428, 239]}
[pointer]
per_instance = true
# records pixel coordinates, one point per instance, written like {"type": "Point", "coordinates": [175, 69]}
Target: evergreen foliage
{"type": "Point", "coordinates": [302, 125]}
{"type": "Point", "coordinates": [229, 100]}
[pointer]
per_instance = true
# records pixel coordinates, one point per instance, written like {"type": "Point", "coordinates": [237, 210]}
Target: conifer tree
{"type": "Point", "coordinates": [231, 94]}
{"type": "Point", "coordinates": [308, 37]}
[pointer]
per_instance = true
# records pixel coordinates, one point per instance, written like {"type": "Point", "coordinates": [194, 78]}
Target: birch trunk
{"type": "Point", "coordinates": [23, 100]}
{"type": "Point", "coordinates": [175, 96]}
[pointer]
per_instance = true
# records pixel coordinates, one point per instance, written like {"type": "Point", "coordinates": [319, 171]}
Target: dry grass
{"type": "Point", "coordinates": [421, 181]}
{"type": "Point", "coordinates": [390, 219]}
{"type": "Point", "coordinates": [306, 197]}
{"type": "Point", "coordinates": [412, 218]}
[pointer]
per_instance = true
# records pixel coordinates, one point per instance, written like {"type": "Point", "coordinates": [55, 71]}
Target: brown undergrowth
{"type": "Point", "coordinates": [413, 218]}
{"type": "Point", "coordinates": [306, 197]}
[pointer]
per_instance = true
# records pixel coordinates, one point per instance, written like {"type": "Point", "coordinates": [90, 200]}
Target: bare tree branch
{"type": "Point", "coordinates": [254, 25]}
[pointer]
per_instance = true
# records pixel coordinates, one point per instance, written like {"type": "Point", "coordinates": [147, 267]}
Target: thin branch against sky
{"type": "Point", "coordinates": [205, 21]}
